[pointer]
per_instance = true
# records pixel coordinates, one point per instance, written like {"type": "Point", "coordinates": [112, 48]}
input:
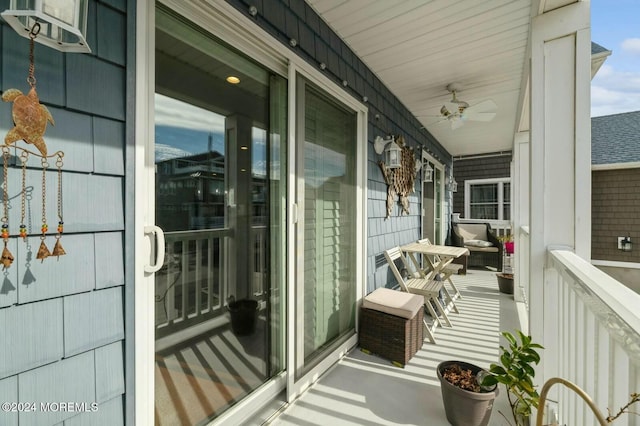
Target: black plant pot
{"type": "Point", "coordinates": [505, 283]}
{"type": "Point", "coordinates": [462, 407]}
{"type": "Point", "coordinates": [244, 314]}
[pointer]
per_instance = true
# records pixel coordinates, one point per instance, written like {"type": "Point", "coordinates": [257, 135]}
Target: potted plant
{"type": "Point", "coordinates": [505, 278]}
{"type": "Point", "coordinates": [516, 373]}
{"type": "Point", "coordinates": [505, 282]}
{"type": "Point", "coordinates": [466, 401]}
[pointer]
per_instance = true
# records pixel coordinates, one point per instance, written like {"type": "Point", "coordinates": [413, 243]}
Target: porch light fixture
{"type": "Point", "coordinates": [63, 23]}
{"type": "Point", "coordinates": [452, 185]}
{"type": "Point", "coordinates": [390, 150]}
{"type": "Point", "coordinates": [427, 173]}
{"type": "Point", "coordinates": [232, 79]}
{"type": "Point", "coordinates": [624, 243]}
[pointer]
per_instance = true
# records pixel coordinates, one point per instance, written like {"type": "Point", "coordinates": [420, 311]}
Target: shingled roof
{"type": "Point", "coordinates": [615, 138]}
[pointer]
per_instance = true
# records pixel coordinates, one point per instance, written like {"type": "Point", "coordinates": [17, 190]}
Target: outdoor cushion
{"type": "Point", "coordinates": [392, 302]}
{"type": "Point", "coordinates": [477, 243]}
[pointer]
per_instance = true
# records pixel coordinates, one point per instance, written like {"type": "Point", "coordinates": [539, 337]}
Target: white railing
{"type": "Point", "coordinates": [522, 266]}
{"type": "Point", "coordinates": [190, 286]}
{"type": "Point", "coordinates": [500, 227]}
{"type": "Point", "coordinates": [596, 344]}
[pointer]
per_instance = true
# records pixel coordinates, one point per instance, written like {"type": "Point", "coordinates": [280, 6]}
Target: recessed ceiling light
{"type": "Point", "coordinates": [244, 147]}
{"type": "Point", "coordinates": [233, 79]}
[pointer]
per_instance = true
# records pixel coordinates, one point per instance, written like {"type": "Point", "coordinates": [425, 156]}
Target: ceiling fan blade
{"type": "Point", "coordinates": [479, 116]}
{"type": "Point", "coordinates": [484, 106]}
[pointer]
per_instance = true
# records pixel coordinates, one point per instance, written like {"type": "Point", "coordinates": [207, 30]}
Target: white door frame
{"type": "Point", "coordinates": [295, 386]}
{"type": "Point", "coordinates": [224, 21]}
{"type": "Point", "coordinates": [437, 165]}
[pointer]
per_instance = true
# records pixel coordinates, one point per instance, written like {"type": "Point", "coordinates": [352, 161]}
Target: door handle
{"type": "Point", "coordinates": [156, 233]}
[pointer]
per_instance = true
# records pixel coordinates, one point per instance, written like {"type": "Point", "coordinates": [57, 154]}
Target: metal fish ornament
{"type": "Point", "coordinates": [30, 118]}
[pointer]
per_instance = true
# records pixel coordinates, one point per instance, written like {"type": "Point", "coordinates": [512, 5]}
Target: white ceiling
{"type": "Point", "coordinates": [417, 47]}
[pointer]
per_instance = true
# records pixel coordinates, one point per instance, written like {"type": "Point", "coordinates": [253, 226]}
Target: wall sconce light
{"type": "Point", "coordinates": [452, 185]}
{"type": "Point", "coordinates": [624, 243]}
{"type": "Point", "coordinates": [63, 23]}
{"type": "Point", "coordinates": [390, 150]}
{"type": "Point", "coordinates": [427, 173]}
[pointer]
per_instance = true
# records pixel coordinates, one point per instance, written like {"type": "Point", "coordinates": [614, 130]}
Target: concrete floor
{"type": "Point", "coordinates": [367, 390]}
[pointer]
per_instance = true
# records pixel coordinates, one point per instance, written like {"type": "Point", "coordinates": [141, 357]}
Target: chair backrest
{"type": "Point", "coordinates": [472, 231]}
{"type": "Point", "coordinates": [392, 255]}
{"type": "Point", "coordinates": [424, 241]}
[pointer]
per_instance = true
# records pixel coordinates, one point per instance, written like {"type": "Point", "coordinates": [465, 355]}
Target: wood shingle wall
{"type": "Point", "coordinates": [62, 320]}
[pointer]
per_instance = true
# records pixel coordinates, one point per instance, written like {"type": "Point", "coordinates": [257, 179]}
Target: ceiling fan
{"type": "Point", "coordinates": [456, 112]}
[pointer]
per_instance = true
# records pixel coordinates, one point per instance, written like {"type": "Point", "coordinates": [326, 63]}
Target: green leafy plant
{"type": "Point", "coordinates": [516, 373]}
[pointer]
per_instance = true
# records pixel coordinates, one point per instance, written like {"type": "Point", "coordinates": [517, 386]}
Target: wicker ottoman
{"type": "Point", "coordinates": [391, 324]}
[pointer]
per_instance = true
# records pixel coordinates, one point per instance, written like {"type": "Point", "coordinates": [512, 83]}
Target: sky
{"type": "Point", "coordinates": [615, 25]}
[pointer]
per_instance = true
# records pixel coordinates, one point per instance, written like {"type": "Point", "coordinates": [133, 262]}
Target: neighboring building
{"type": "Point", "coordinates": [615, 157]}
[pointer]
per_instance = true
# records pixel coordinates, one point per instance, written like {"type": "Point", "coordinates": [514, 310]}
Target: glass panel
{"type": "Point", "coordinates": [329, 172]}
{"type": "Point", "coordinates": [506, 208]}
{"type": "Point", "coordinates": [484, 201]}
{"type": "Point", "coordinates": [220, 154]}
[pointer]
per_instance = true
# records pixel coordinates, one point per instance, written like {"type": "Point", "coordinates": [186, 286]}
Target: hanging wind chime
{"type": "Point", "coordinates": [30, 118]}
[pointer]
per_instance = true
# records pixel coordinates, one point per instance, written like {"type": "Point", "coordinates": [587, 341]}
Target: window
{"type": "Point", "coordinates": [488, 199]}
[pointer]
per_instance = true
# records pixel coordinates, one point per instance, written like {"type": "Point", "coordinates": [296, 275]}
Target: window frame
{"type": "Point", "coordinates": [498, 181]}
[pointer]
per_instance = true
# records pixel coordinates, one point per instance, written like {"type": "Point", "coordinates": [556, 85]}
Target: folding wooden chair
{"type": "Point", "coordinates": [450, 269]}
{"type": "Point", "coordinates": [429, 289]}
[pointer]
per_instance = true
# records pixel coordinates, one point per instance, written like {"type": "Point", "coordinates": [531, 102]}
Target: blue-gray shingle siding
{"type": "Point", "coordinates": [63, 319]}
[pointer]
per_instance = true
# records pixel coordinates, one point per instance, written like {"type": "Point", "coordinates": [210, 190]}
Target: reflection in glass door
{"type": "Point", "coordinates": [432, 202]}
{"type": "Point", "coordinates": [326, 244]}
{"type": "Point", "coordinates": [220, 154]}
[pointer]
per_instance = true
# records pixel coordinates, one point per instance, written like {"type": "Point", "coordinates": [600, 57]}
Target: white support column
{"type": "Point", "coordinates": [560, 213]}
{"type": "Point", "coordinates": [520, 187]}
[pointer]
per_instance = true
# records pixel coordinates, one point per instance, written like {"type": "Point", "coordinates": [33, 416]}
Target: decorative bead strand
{"type": "Point", "coordinates": [43, 251]}
{"type": "Point", "coordinates": [24, 157]}
{"type": "Point", "coordinates": [6, 259]}
{"type": "Point", "coordinates": [57, 248]}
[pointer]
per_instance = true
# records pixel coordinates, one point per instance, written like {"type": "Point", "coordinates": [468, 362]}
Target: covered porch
{"type": "Point", "coordinates": [594, 342]}
{"type": "Point", "coordinates": [365, 389]}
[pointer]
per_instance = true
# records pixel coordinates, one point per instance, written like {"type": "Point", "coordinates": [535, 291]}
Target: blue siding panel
{"type": "Point", "coordinates": [109, 413]}
{"type": "Point", "coordinates": [109, 269]}
{"type": "Point", "coordinates": [95, 86]}
{"type": "Point", "coordinates": [108, 146]}
{"type": "Point", "coordinates": [9, 283]}
{"type": "Point", "coordinates": [72, 135]}
{"type": "Point", "coordinates": [49, 70]}
{"type": "Point", "coordinates": [70, 380]}
{"type": "Point", "coordinates": [9, 393]}
{"type": "Point", "coordinates": [93, 319]}
{"type": "Point", "coordinates": [92, 203]}
{"type": "Point", "coordinates": [31, 335]}
{"type": "Point", "coordinates": [109, 372]}
{"type": "Point", "coordinates": [55, 277]}
{"type": "Point", "coordinates": [111, 28]}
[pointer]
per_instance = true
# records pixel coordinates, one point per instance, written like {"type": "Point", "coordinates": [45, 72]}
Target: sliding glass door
{"type": "Point", "coordinates": [327, 200]}
{"type": "Point", "coordinates": [220, 191]}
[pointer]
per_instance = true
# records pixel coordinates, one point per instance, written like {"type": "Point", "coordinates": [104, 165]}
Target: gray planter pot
{"type": "Point", "coordinates": [462, 407]}
{"type": "Point", "coordinates": [505, 284]}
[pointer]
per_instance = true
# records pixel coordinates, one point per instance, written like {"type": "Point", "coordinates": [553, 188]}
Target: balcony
{"type": "Point", "coordinates": [595, 344]}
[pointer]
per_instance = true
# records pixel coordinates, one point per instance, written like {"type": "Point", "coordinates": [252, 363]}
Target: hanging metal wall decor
{"type": "Point", "coordinates": [30, 118]}
{"type": "Point", "coordinates": [400, 181]}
